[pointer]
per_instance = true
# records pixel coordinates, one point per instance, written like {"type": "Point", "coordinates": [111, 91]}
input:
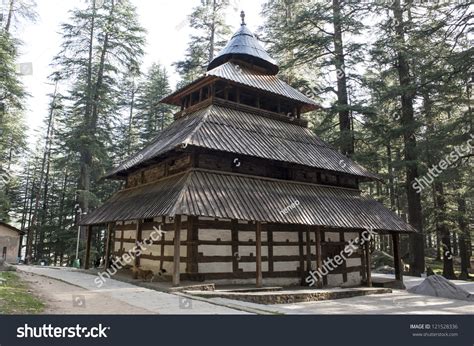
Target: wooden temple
{"type": "Point", "coordinates": [245, 192]}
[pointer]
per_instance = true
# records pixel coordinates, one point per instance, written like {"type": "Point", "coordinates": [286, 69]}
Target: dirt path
{"type": "Point", "coordinates": [62, 298]}
{"type": "Point", "coordinates": [70, 291]}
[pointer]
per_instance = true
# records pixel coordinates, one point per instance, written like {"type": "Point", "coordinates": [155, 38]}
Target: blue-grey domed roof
{"type": "Point", "coordinates": [244, 46]}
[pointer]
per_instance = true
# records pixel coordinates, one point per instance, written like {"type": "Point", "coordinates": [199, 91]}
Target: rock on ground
{"type": "Point", "coordinates": [439, 286]}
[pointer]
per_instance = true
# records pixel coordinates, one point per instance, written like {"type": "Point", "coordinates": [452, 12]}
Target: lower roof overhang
{"type": "Point", "coordinates": [214, 194]}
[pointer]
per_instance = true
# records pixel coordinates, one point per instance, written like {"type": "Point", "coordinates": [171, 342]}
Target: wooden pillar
{"type": "Point", "coordinates": [308, 250]}
{"type": "Point", "coordinates": [344, 263]}
{"type": "Point", "coordinates": [88, 246]}
{"type": "Point", "coordinates": [192, 240]}
{"type": "Point", "coordinates": [162, 243]}
{"type": "Point", "coordinates": [301, 253]}
{"type": "Point", "coordinates": [234, 230]}
{"type": "Point", "coordinates": [108, 240]}
{"type": "Point", "coordinates": [258, 241]}
{"type": "Point", "coordinates": [367, 263]}
{"type": "Point", "coordinates": [397, 261]}
{"type": "Point", "coordinates": [177, 247]}
{"type": "Point", "coordinates": [319, 259]}
{"type": "Point", "coordinates": [138, 239]}
{"type": "Point", "coordinates": [270, 250]}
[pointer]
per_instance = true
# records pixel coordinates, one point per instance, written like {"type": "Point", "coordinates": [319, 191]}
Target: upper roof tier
{"type": "Point", "coordinates": [243, 75]}
{"type": "Point", "coordinates": [244, 46]}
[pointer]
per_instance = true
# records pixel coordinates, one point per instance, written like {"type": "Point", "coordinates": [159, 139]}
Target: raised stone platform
{"type": "Point", "coordinates": [291, 296]}
{"type": "Point", "coordinates": [387, 283]}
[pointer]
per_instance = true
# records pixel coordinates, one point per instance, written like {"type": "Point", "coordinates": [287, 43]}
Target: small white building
{"type": "Point", "coordinates": [10, 240]}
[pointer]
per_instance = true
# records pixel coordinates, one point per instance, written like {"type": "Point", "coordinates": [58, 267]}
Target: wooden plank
{"type": "Point", "coordinates": [248, 275]}
{"type": "Point", "coordinates": [323, 243]}
{"type": "Point", "coordinates": [270, 250]}
{"type": "Point", "coordinates": [235, 246]}
{"type": "Point", "coordinates": [138, 239]}
{"type": "Point", "coordinates": [308, 250]}
{"type": "Point", "coordinates": [367, 264]}
{"type": "Point", "coordinates": [176, 253]}
{"type": "Point", "coordinates": [192, 245]}
{"type": "Point", "coordinates": [344, 264]}
{"type": "Point", "coordinates": [121, 240]}
{"type": "Point", "coordinates": [162, 247]}
{"type": "Point", "coordinates": [250, 259]}
{"type": "Point", "coordinates": [88, 246]}
{"type": "Point", "coordinates": [258, 238]}
{"type": "Point", "coordinates": [396, 256]}
{"type": "Point", "coordinates": [319, 260]}
{"type": "Point", "coordinates": [301, 252]}
{"type": "Point", "coordinates": [108, 243]}
{"type": "Point", "coordinates": [361, 251]}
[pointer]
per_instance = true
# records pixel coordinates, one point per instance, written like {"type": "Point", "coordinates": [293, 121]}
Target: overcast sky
{"type": "Point", "coordinates": [167, 38]}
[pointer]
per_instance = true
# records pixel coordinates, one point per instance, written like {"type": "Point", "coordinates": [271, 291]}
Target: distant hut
{"type": "Point", "coordinates": [10, 242]}
{"type": "Point", "coordinates": [244, 190]}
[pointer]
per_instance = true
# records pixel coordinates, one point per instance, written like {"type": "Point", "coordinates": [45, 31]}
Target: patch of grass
{"type": "Point", "coordinates": [15, 297]}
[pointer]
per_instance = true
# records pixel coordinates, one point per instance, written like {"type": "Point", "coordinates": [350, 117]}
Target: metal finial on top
{"type": "Point", "coordinates": [242, 15]}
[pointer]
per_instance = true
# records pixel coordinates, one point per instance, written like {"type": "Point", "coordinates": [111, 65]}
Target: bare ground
{"type": "Point", "coordinates": [62, 298]}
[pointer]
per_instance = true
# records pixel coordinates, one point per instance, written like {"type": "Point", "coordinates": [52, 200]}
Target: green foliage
{"type": "Point", "coordinates": [152, 116]}
{"type": "Point", "coordinates": [209, 37]}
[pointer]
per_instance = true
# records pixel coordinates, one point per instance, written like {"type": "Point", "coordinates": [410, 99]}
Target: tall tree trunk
{"type": "Point", "coordinates": [86, 156]}
{"type": "Point", "coordinates": [463, 238]}
{"type": "Point", "coordinates": [11, 7]}
{"type": "Point", "coordinates": [417, 244]}
{"type": "Point", "coordinates": [213, 32]}
{"type": "Point", "coordinates": [443, 231]}
{"type": "Point", "coordinates": [455, 244]}
{"type": "Point", "coordinates": [346, 140]}
{"type": "Point", "coordinates": [391, 186]}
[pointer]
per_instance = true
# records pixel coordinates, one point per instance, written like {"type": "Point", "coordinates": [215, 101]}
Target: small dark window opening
{"type": "Point", "coordinates": [287, 110]}
{"type": "Point", "coordinates": [148, 220]}
{"type": "Point", "coordinates": [219, 90]}
{"type": "Point", "coordinates": [232, 94]}
{"type": "Point", "coordinates": [205, 93]}
{"type": "Point", "coordinates": [194, 98]}
{"type": "Point", "coordinates": [248, 99]}
{"type": "Point", "coordinates": [281, 173]}
{"type": "Point", "coordinates": [4, 252]}
{"type": "Point", "coordinates": [269, 104]}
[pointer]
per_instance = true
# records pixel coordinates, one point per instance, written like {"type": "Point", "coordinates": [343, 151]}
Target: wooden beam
{"type": "Point", "coordinates": [192, 240]}
{"type": "Point", "coordinates": [177, 246]}
{"type": "Point", "coordinates": [397, 261]}
{"type": "Point", "coordinates": [108, 243]}
{"type": "Point", "coordinates": [258, 239]}
{"type": "Point", "coordinates": [367, 263]}
{"type": "Point", "coordinates": [88, 246]}
{"type": "Point", "coordinates": [138, 239]}
{"type": "Point", "coordinates": [308, 250]}
{"type": "Point", "coordinates": [301, 253]}
{"type": "Point", "coordinates": [319, 259]}
{"type": "Point", "coordinates": [270, 250]}
{"type": "Point", "coordinates": [235, 245]}
{"type": "Point", "coordinates": [162, 243]}
{"type": "Point", "coordinates": [344, 263]}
